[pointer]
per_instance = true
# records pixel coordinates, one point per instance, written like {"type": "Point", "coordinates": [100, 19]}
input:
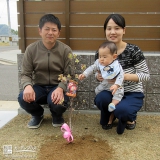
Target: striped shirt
{"type": "Point", "coordinates": [133, 61]}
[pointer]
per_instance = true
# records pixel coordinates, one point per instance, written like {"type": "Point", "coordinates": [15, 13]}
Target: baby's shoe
{"type": "Point", "coordinates": [111, 107]}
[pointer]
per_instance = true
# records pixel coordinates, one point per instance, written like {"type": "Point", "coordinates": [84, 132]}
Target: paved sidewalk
{"type": "Point", "coordinates": [9, 56]}
{"type": "Point", "coordinates": [8, 109]}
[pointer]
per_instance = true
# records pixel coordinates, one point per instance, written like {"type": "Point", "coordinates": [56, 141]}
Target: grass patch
{"type": "Point", "coordinates": [4, 44]}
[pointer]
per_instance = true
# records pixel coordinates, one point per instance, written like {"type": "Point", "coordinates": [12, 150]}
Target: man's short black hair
{"type": "Point", "coordinates": [49, 18]}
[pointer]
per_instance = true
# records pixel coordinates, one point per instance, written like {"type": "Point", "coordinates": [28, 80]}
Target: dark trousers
{"type": "Point", "coordinates": [43, 96]}
{"type": "Point", "coordinates": [125, 111]}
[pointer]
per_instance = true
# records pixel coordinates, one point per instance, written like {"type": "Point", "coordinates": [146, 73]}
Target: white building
{"type": "Point", "coordinates": [4, 39]}
{"type": "Point", "coordinates": [13, 40]}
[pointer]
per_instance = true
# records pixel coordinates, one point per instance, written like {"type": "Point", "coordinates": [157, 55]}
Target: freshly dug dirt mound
{"type": "Point", "coordinates": [86, 147]}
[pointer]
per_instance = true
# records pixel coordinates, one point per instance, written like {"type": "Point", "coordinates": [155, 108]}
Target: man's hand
{"type": "Point", "coordinates": [114, 88]}
{"type": "Point", "coordinates": [28, 94]}
{"type": "Point", "coordinates": [57, 96]}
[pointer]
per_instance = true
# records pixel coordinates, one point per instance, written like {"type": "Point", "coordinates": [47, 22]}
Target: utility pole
{"type": "Point", "coordinates": [9, 23]}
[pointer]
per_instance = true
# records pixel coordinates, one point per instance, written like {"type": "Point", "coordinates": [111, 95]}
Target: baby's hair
{"type": "Point", "coordinates": [110, 45]}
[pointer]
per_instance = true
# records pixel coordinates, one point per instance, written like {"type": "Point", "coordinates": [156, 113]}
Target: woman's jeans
{"type": "Point", "coordinates": [126, 109]}
{"type": "Point", "coordinates": [43, 96]}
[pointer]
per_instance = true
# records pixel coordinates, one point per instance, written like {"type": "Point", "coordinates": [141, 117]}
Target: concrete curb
{"type": "Point", "coordinates": [47, 112]}
{"type": "Point", "coordinates": [8, 61]}
{"type": "Point", "coordinates": [9, 105]}
{"type": "Point", "coordinates": [14, 106]}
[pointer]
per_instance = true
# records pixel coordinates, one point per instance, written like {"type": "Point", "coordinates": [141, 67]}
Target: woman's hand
{"type": "Point", "coordinates": [131, 77]}
{"type": "Point", "coordinates": [99, 76]}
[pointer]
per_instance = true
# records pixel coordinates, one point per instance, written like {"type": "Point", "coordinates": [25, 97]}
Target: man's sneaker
{"type": "Point", "coordinates": [57, 121]}
{"type": "Point", "coordinates": [35, 121]}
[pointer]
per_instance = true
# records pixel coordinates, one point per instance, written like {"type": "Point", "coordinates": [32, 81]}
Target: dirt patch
{"type": "Point", "coordinates": [86, 147]}
{"type": "Point", "coordinates": [91, 142]}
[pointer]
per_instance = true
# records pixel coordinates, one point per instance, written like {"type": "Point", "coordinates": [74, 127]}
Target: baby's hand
{"type": "Point", "coordinates": [81, 76]}
{"type": "Point", "coordinates": [114, 88]}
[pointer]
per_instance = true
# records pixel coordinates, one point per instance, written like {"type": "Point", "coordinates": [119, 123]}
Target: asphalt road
{"type": "Point", "coordinates": [8, 48]}
{"type": "Point", "coordinates": [8, 82]}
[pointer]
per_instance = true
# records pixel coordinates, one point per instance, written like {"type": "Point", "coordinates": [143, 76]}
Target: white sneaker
{"type": "Point", "coordinates": [111, 107]}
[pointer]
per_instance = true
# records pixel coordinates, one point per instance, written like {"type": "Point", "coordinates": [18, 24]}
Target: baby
{"type": "Point", "coordinates": [110, 69]}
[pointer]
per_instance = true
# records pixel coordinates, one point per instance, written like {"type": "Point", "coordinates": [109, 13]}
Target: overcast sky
{"type": "Point", "coordinates": [13, 13]}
